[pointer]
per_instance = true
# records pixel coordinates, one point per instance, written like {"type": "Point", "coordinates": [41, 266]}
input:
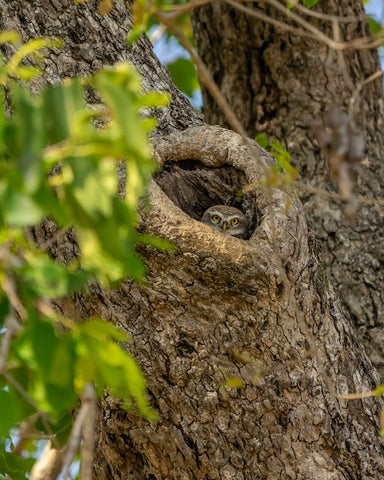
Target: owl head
{"type": "Point", "coordinates": [227, 220]}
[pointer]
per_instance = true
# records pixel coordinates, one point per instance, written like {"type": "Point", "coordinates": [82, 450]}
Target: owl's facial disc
{"type": "Point", "coordinates": [228, 220]}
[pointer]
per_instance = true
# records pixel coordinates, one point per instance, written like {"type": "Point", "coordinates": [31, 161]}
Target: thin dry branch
{"type": "Point", "coordinates": [207, 80]}
{"type": "Point", "coordinates": [374, 202]}
{"type": "Point", "coordinates": [327, 17]}
{"type": "Point", "coordinates": [88, 447]}
{"type": "Point", "coordinates": [338, 197]}
{"type": "Point", "coordinates": [356, 396]}
{"type": "Point", "coordinates": [82, 429]}
{"type": "Point", "coordinates": [266, 18]}
{"type": "Point", "coordinates": [203, 72]}
{"type": "Point", "coordinates": [179, 10]}
{"type": "Point", "coordinates": [12, 327]}
{"type": "Point", "coordinates": [10, 288]}
{"type": "Point", "coordinates": [360, 86]}
{"type": "Point", "coordinates": [308, 31]}
{"type": "Point", "coordinates": [356, 43]}
{"type": "Point", "coordinates": [20, 389]}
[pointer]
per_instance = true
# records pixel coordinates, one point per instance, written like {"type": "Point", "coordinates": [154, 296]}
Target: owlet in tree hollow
{"type": "Point", "coordinates": [227, 220]}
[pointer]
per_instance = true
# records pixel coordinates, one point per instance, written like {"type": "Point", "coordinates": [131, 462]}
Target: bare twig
{"type": "Point", "coordinates": [88, 448]}
{"type": "Point", "coordinates": [203, 72]}
{"type": "Point", "coordinates": [356, 396]}
{"type": "Point", "coordinates": [309, 31]}
{"type": "Point", "coordinates": [25, 431]}
{"type": "Point", "coordinates": [16, 385]}
{"type": "Point", "coordinates": [328, 17]}
{"type": "Point", "coordinates": [318, 33]}
{"type": "Point", "coordinates": [88, 408]}
{"type": "Point", "coordinates": [12, 327]}
{"type": "Point", "coordinates": [10, 288]}
{"type": "Point", "coordinates": [181, 9]}
{"type": "Point", "coordinates": [340, 56]}
{"type": "Point", "coordinates": [375, 202]}
{"type": "Point", "coordinates": [266, 18]}
{"type": "Point", "coordinates": [20, 389]}
{"type": "Point", "coordinates": [207, 80]}
{"type": "Point", "coordinates": [360, 86]}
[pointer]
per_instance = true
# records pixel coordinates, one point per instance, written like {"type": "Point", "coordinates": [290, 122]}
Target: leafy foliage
{"type": "Point", "coordinates": [58, 158]}
{"type": "Point", "coordinates": [306, 3]}
{"type": "Point", "coordinates": [374, 25]}
{"type": "Point", "coordinates": [184, 75]}
{"type": "Point", "coordinates": [283, 173]}
{"type": "Point", "coordinates": [309, 3]}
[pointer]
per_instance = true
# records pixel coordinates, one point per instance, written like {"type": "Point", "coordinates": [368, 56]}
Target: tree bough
{"type": "Point", "coordinates": [244, 344]}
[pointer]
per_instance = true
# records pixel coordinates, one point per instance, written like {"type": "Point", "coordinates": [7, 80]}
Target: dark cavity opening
{"type": "Point", "coordinates": [194, 187]}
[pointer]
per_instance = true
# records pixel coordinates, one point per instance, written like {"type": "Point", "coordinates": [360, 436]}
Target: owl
{"type": "Point", "coordinates": [227, 220]}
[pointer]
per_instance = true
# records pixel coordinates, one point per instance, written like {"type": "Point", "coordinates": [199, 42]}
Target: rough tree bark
{"type": "Point", "coordinates": [259, 310]}
{"type": "Point", "coordinates": [279, 82]}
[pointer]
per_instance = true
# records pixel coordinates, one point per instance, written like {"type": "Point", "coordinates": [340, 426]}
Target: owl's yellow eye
{"type": "Point", "coordinates": [215, 218]}
{"type": "Point", "coordinates": [234, 221]}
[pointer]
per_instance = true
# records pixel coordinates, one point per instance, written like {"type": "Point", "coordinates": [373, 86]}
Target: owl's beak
{"type": "Point", "coordinates": [224, 226]}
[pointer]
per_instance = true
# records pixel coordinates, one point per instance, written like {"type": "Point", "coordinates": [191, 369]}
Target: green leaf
{"type": "Point", "coordinates": [13, 466]}
{"type": "Point", "coordinates": [62, 428]}
{"type": "Point", "coordinates": [47, 278]}
{"type": "Point", "coordinates": [118, 87]}
{"type": "Point", "coordinates": [54, 129]}
{"type": "Point", "coordinates": [28, 73]}
{"type": "Point", "coordinates": [9, 36]}
{"type": "Point", "coordinates": [284, 159]}
{"type": "Point", "coordinates": [134, 35]}
{"type": "Point", "coordinates": [31, 47]}
{"type": "Point", "coordinates": [379, 391]}
{"type": "Point", "coordinates": [99, 184]}
{"type": "Point", "coordinates": [310, 3]}
{"type": "Point", "coordinates": [10, 413]}
{"type": "Point", "coordinates": [19, 210]}
{"type": "Point", "coordinates": [184, 75]}
{"type": "Point", "coordinates": [52, 361]}
{"type": "Point", "coordinates": [25, 140]}
{"type": "Point", "coordinates": [156, 242]}
{"type": "Point", "coordinates": [108, 365]}
{"type": "Point", "coordinates": [262, 140]}
{"type": "Point", "coordinates": [107, 257]}
{"type": "Point", "coordinates": [55, 113]}
{"type": "Point", "coordinates": [154, 99]}
{"type": "Point", "coordinates": [234, 382]}
{"type": "Point", "coordinates": [374, 25]}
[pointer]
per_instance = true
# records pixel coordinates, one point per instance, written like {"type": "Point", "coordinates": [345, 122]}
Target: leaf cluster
{"type": "Point", "coordinates": [59, 159]}
{"type": "Point", "coordinates": [282, 174]}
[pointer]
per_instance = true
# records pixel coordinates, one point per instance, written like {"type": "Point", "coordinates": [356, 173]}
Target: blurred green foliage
{"type": "Point", "coordinates": [55, 162]}
{"type": "Point", "coordinates": [184, 75]}
{"type": "Point", "coordinates": [282, 174]}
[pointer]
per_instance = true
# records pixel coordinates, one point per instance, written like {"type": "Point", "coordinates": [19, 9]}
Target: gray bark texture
{"type": "Point", "coordinates": [278, 82]}
{"type": "Point", "coordinates": [245, 344]}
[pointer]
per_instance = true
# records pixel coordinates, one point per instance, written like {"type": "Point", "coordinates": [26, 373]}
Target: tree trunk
{"type": "Point", "coordinates": [279, 82]}
{"type": "Point", "coordinates": [244, 343]}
